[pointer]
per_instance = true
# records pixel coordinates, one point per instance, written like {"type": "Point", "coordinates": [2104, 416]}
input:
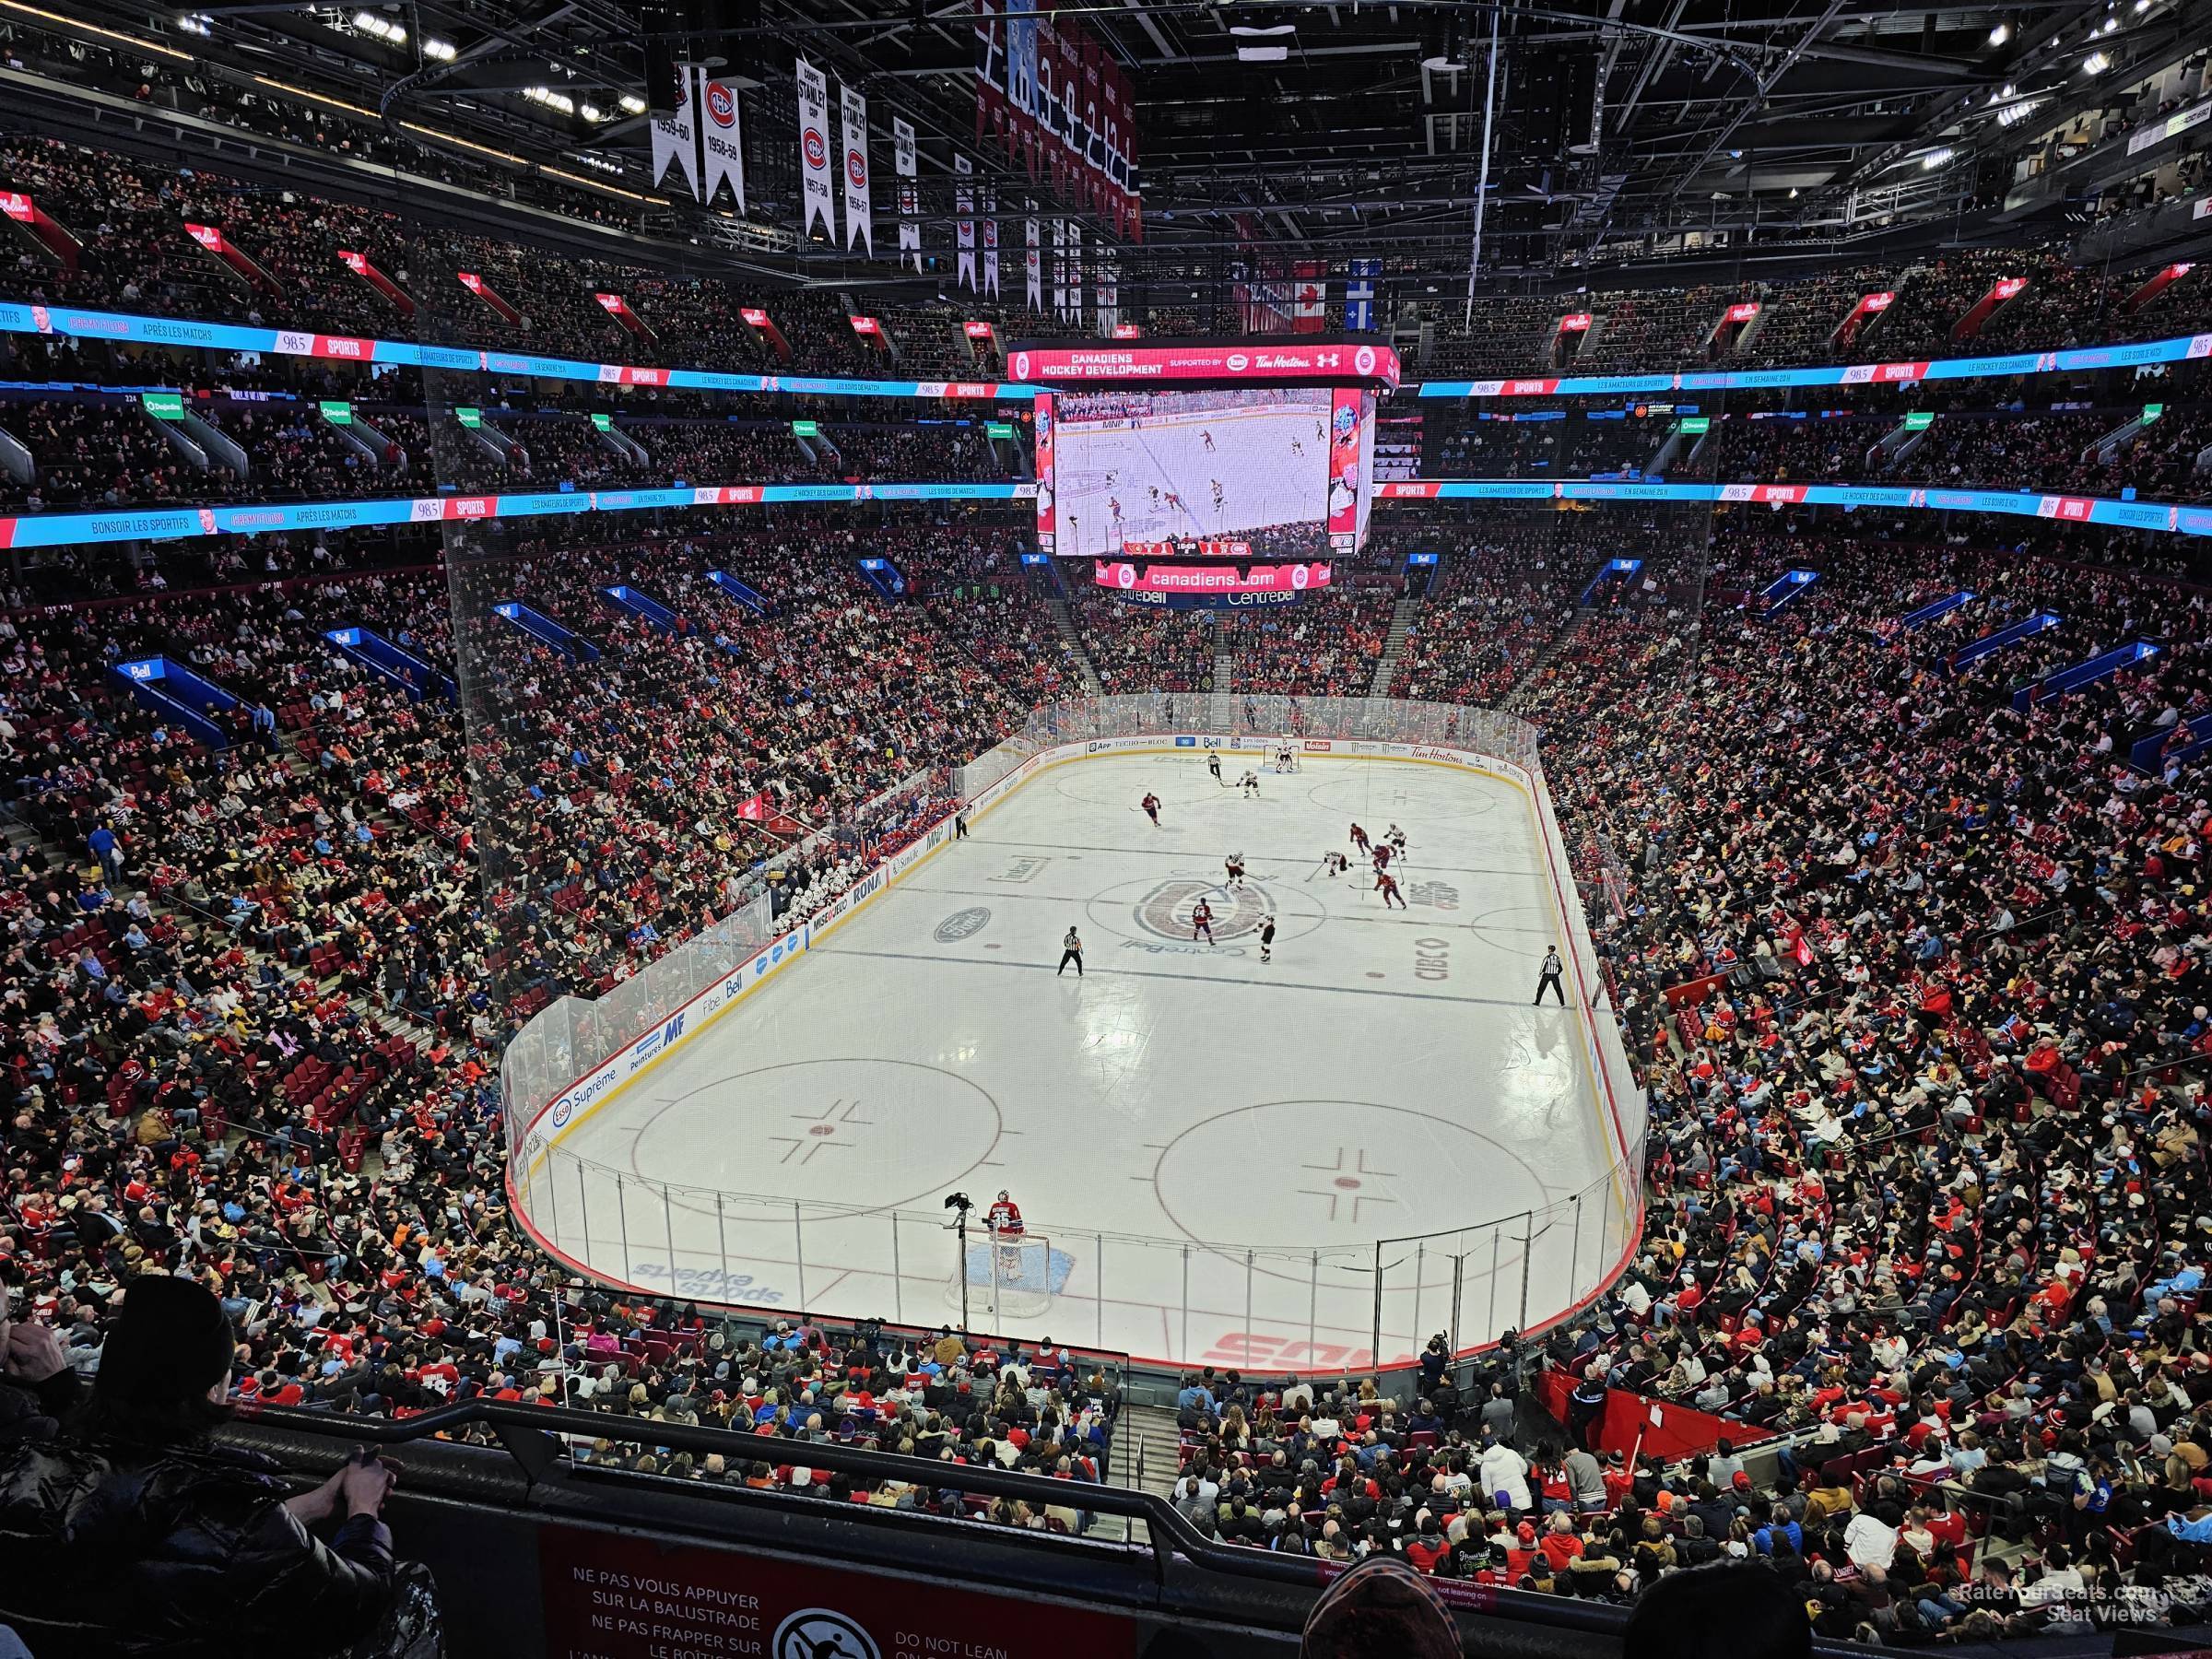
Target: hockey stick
{"type": "Point", "coordinates": [1316, 870]}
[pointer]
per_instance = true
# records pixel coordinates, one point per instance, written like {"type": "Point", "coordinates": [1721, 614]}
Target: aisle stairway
{"type": "Point", "coordinates": [1394, 646]}
{"type": "Point", "coordinates": [1225, 684]}
{"type": "Point", "coordinates": [1544, 658]}
{"type": "Point", "coordinates": [1145, 1440]}
{"type": "Point", "coordinates": [1072, 637]}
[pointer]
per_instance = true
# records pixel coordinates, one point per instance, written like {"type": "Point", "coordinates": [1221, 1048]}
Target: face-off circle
{"type": "Point", "coordinates": [817, 1130]}
{"type": "Point", "coordinates": [1335, 1173]}
{"type": "Point", "coordinates": [1154, 913]}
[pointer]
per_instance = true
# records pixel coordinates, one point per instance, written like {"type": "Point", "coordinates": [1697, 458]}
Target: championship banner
{"type": "Point", "coordinates": [725, 139]}
{"type": "Point", "coordinates": [1034, 262]}
{"type": "Point", "coordinates": [1060, 269]}
{"type": "Point", "coordinates": [1109, 296]}
{"type": "Point", "coordinates": [991, 241]}
{"type": "Point", "coordinates": [909, 192]}
{"type": "Point", "coordinates": [1055, 98]}
{"type": "Point", "coordinates": [1075, 270]}
{"type": "Point", "coordinates": [674, 139]}
{"type": "Point", "coordinates": [813, 151]}
{"type": "Point", "coordinates": [963, 228]}
{"type": "Point", "coordinates": [860, 215]}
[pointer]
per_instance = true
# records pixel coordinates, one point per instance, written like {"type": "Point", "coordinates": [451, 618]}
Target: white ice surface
{"type": "Point", "coordinates": [1384, 1076]}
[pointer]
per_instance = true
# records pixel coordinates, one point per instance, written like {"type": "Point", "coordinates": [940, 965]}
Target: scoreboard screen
{"type": "Point", "coordinates": [1281, 469]}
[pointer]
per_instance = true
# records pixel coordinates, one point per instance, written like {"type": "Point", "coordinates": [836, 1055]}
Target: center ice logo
{"type": "Point", "coordinates": [1165, 912]}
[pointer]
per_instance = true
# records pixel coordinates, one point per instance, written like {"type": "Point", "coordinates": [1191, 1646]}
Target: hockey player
{"type": "Point", "coordinates": [1359, 838]}
{"type": "Point", "coordinates": [1336, 864]}
{"type": "Point", "coordinates": [1234, 864]}
{"type": "Point", "coordinates": [1151, 806]}
{"type": "Point", "coordinates": [1396, 837]}
{"type": "Point", "coordinates": [1202, 921]}
{"type": "Point", "coordinates": [1208, 439]}
{"type": "Point", "coordinates": [1252, 784]}
{"type": "Point", "coordinates": [1005, 1221]}
{"type": "Point", "coordinates": [1387, 884]}
{"type": "Point", "coordinates": [1382, 856]}
{"type": "Point", "coordinates": [1267, 940]}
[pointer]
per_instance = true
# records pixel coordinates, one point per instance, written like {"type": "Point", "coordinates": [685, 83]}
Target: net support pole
{"type": "Point", "coordinates": [584, 1202]}
{"type": "Point", "coordinates": [1574, 1254]}
{"type": "Point", "coordinates": [1528, 1253]}
{"type": "Point", "coordinates": [1247, 1259]}
{"type": "Point", "coordinates": [668, 1227]}
{"type": "Point", "coordinates": [1186, 1302]}
{"type": "Point", "coordinates": [722, 1246]}
{"type": "Point", "coordinates": [1421, 1272]}
{"type": "Point", "coordinates": [1375, 1341]}
{"type": "Point", "coordinates": [622, 1215]}
{"type": "Point", "coordinates": [1497, 1262]}
{"type": "Point", "coordinates": [552, 1193]}
{"type": "Point", "coordinates": [1312, 1302]}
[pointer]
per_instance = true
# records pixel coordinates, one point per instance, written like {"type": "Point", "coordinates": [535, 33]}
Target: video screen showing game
{"type": "Point", "coordinates": [1119, 469]}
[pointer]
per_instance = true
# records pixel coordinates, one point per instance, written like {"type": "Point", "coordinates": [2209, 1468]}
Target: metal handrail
{"type": "Point", "coordinates": [1168, 1532]}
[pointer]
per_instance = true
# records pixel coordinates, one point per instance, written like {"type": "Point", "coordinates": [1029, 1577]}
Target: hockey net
{"type": "Point", "coordinates": [1005, 1278]}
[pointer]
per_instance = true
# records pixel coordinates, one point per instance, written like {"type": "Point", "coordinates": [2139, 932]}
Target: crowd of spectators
{"type": "Point", "coordinates": [137, 255]}
{"type": "Point", "coordinates": [261, 1001]}
{"type": "Point", "coordinates": [105, 451]}
{"type": "Point", "coordinates": [1499, 601]}
{"type": "Point", "coordinates": [1327, 646]}
{"type": "Point", "coordinates": [1910, 951]}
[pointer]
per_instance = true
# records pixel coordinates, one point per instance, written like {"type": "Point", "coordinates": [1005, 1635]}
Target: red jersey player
{"type": "Point", "coordinates": [1382, 856]}
{"type": "Point", "coordinates": [1359, 838]}
{"type": "Point", "coordinates": [1151, 806]}
{"type": "Point", "coordinates": [1005, 1221]}
{"type": "Point", "coordinates": [1202, 921]}
{"type": "Point", "coordinates": [1387, 884]}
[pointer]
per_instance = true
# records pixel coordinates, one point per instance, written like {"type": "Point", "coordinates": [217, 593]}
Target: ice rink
{"type": "Point", "coordinates": [1271, 461]}
{"type": "Point", "coordinates": [1212, 1146]}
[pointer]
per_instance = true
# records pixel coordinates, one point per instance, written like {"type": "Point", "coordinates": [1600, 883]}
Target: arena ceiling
{"type": "Point", "coordinates": [1615, 129]}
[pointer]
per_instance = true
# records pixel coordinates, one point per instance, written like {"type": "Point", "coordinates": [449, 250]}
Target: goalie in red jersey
{"type": "Point", "coordinates": [1005, 1221]}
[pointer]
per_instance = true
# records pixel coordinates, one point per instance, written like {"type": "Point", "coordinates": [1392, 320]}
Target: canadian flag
{"type": "Point", "coordinates": [1308, 298]}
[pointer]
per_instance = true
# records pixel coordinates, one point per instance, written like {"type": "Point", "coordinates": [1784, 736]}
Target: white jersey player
{"type": "Point", "coordinates": [1335, 863]}
{"type": "Point", "coordinates": [1252, 784]}
{"type": "Point", "coordinates": [1396, 837]}
{"type": "Point", "coordinates": [1234, 864]}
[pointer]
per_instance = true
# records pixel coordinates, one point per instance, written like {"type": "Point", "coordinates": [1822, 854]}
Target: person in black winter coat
{"type": "Point", "coordinates": [132, 1534]}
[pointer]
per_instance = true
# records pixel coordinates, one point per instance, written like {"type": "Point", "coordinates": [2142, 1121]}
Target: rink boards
{"type": "Point", "coordinates": [1605, 1070]}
